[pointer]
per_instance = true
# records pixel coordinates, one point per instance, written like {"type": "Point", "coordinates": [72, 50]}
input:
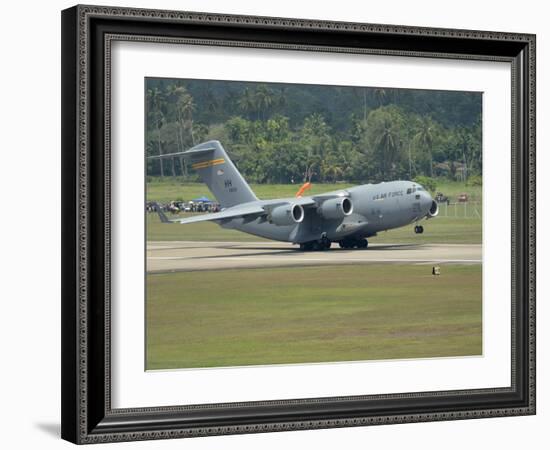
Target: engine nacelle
{"type": "Point", "coordinates": [287, 214]}
{"type": "Point", "coordinates": [434, 210]}
{"type": "Point", "coordinates": [336, 208]}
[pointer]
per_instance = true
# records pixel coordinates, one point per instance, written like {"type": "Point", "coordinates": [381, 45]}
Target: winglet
{"type": "Point", "coordinates": [304, 188]}
{"type": "Point", "coordinates": [161, 214]}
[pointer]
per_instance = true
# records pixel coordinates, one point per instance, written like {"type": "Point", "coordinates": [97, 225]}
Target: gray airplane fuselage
{"type": "Point", "coordinates": [376, 207]}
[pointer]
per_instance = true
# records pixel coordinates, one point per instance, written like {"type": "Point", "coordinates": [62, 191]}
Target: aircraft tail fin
{"type": "Point", "coordinates": [219, 173]}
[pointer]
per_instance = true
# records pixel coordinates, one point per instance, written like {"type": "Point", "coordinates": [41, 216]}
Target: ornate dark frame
{"type": "Point", "coordinates": [87, 33]}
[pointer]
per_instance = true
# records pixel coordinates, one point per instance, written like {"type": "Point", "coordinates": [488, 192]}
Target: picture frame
{"type": "Point", "coordinates": [87, 413]}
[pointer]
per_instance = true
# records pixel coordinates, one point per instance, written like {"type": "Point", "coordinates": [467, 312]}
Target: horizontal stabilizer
{"type": "Point", "coordinates": [231, 213]}
{"type": "Point", "coordinates": [161, 214]}
{"type": "Point", "coordinates": [186, 154]}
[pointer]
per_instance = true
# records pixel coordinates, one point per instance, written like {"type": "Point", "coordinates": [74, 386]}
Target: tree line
{"type": "Point", "coordinates": [280, 133]}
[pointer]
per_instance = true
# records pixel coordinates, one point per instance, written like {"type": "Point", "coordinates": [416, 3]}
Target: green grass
{"type": "Point", "coordinates": [313, 314]}
{"type": "Point", "coordinates": [439, 230]}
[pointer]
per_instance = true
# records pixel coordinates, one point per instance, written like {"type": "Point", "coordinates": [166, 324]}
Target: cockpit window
{"type": "Point", "coordinates": [419, 188]}
{"type": "Point", "coordinates": [409, 191]}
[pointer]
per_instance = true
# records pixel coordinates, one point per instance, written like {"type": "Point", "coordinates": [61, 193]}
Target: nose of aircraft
{"type": "Point", "coordinates": [425, 200]}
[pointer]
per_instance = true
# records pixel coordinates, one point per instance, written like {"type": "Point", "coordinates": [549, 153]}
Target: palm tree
{"type": "Point", "coordinates": [364, 104]}
{"type": "Point", "coordinates": [280, 99]}
{"type": "Point", "coordinates": [156, 105]}
{"type": "Point", "coordinates": [247, 102]}
{"type": "Point", "coordinates": [200, 131]}
{"type": "Point", "coordinates": [381, 95]}
{"type": "Point", "coordinates": [464, 142]}
{"type": "Point", "coordinates": [388, 145]}
{"type": "Point", "coordinates": [182, 109]}
{"type": "Point", "coordinates": [425, 139]}
{"type": "Point", "coordinates": [172, 94]}
{"type": "Point", "coordinates": [263, 99]}
{"type": "Point", "coordinates": [331, 171]}
{"type": "Point", "coordinates": [185, 107]}
{"type": "Point", "coordinates": [211, 100]}
{"type": "Point", "coordinates": [316, 141]}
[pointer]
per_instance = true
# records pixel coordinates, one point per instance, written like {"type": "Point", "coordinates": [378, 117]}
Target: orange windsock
{"type": "Point", "coordinates": [304, 188]}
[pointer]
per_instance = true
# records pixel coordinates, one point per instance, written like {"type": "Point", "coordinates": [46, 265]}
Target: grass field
{"type": "Point", "coordinates": [314, 314]}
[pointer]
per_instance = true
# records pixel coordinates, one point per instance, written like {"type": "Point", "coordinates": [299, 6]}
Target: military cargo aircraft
{"type": "Point", "coordinates": [348, 216]}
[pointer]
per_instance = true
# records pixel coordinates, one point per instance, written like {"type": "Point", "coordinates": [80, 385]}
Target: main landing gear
{"type": "Point", "coordinates": [314, 246]}
{"type": "Point", "coordinates": [354, 243]}
{"type": "Point", "coordinates": [419, 229]}
{"type": "Point", "coordinates": [324, 244]}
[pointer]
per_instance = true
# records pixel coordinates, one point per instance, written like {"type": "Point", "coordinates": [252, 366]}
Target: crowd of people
{"type": "Point", "coordinates": [176, 206]}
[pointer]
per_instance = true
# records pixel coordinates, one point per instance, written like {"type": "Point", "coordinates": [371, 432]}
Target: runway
{"type": "Point", "coordinates": [175, 256]}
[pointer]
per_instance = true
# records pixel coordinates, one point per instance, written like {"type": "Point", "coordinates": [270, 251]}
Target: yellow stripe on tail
{"type": "Point", "coordinates": [209, 163]}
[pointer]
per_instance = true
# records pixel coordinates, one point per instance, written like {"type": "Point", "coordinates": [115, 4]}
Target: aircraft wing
{"type": "Point", "coordinates": [302, 201]}
{"type": "Point", "coordinates": [306, 202]}
{"type": "Point", "coordinates": [253, 210]}
{"type": "Point", "coordinates": [329, 195]}
{"type": "Point", "coordinates": [231, 213]}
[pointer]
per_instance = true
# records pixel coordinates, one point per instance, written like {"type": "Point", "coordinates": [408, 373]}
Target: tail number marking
{"type": "Point", "coordinates": [228, 185]}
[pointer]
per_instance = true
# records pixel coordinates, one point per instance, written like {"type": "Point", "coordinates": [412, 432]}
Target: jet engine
{"type": "Point", "coordinates": [336, 208]}
{"type": "Point", "coordinates": [287, 214]}
{"type": "Point", "coordinates": [434, 210]}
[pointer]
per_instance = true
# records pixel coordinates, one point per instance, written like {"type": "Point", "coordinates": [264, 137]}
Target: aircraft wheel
{"type": "Point", "coordinates": [363, 243]}
{"type": "Point", "coordinates": [420, 229]}
{"type": "Point", "coordinates": [316, 246]}
{"type": "Point", "coordinates": [346, 243]}
{"type": "Point", "coordinates": [325, 243]}
{"type": "Point", "coordinates": [358, 243]}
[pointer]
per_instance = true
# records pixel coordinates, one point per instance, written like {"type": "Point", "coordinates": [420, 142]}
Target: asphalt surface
{"type": "Point", "coordinates": [165, 256]}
